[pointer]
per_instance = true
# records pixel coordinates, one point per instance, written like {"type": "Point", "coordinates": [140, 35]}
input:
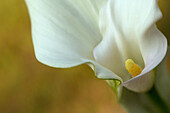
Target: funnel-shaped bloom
{"type": "Point", "coordinates": [101, 33]}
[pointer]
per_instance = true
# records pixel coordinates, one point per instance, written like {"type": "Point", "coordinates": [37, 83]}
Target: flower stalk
{"type": "Point", "coordinates": [149, 102]}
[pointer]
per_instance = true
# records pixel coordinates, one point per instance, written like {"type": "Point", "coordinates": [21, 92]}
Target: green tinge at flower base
{"type": "Point", "coordinates": [157, 100]}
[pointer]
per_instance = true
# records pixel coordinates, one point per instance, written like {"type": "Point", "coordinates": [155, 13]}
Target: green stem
{"type": "Point", "coordinates": [149, 102]}
{"type": "Point", "coordinates": [157, 101]}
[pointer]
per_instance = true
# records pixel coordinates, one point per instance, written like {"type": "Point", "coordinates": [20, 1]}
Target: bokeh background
{"type": "Point", "coordinates": [26, 86]}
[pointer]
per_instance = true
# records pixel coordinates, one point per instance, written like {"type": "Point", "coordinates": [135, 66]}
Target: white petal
{"type": "Point", "coordinates": [103, 72]}
{"type": "Point", "coordinates": [119, 24]}
{"type": "Point", "coordinates": [65, 32]}
{"type": "Point", "coordinates": [141, 83]}
{"type": "Point", "coordinates": [153, 46]}
{"type": "Point", "coordinates": [129, 32]}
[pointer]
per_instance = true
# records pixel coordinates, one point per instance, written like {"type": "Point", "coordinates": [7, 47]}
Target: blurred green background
{"type": "Point", "coordinates": [26, 86]}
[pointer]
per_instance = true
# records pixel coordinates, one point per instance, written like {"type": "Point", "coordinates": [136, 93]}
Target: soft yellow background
{"type": "Point", "coordinates": [27, 86]}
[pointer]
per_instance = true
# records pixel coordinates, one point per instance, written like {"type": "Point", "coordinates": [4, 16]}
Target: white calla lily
{"type": "Point", "coordinates": [100, 33]}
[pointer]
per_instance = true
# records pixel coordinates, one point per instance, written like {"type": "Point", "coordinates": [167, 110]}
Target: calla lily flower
{"type": "Point", "coordinates": [118, 39]}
